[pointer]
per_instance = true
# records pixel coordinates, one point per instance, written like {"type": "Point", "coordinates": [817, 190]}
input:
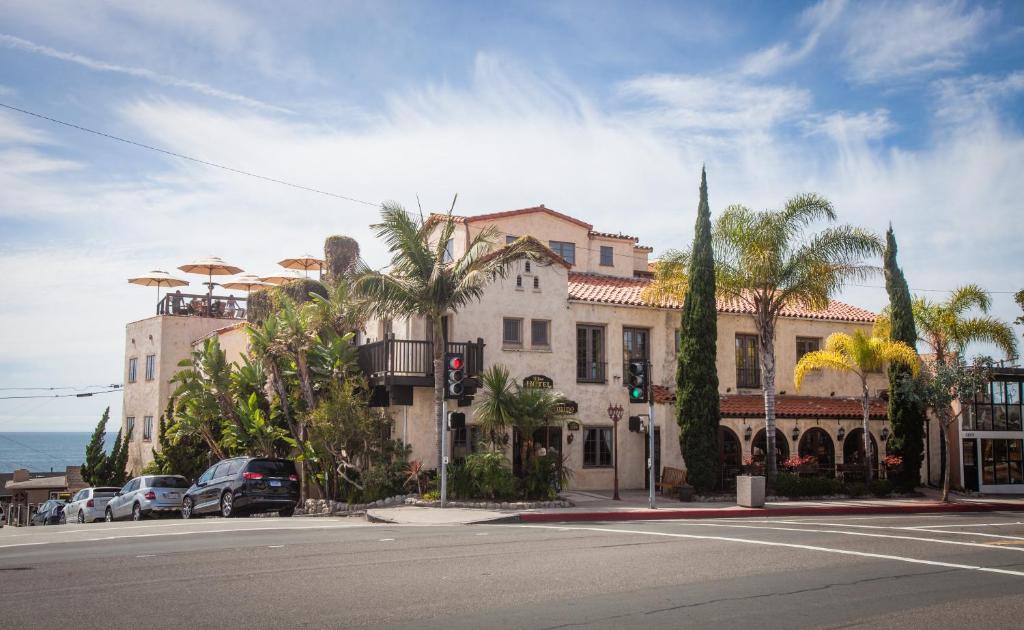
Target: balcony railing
{"type": "Point", "coordinates": [748, 377]}
{"type": "Point", "coordinates": [591, 372]}
{"type": "Point", "coordinates": [202, 305]}
{"type": "Point", "coordinates": [411, 362]}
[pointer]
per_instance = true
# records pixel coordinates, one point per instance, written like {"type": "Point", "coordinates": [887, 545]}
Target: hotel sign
{"type": "Point", "coordinates": [567, 408]}
{"type": "Point", "coordinates": [538, 381]}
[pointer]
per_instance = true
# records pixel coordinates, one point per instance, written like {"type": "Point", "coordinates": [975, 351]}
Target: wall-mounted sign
{"type": "Point", "coordinates": [567, 408]}
{"type": "Point", "coordinates": [573, 426]}
{"type": "Point", "coordinates": [538, 381]}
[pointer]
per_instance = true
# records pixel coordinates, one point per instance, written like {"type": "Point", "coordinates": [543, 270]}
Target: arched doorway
{"type": "Point", "coordinates": [817, 442]}
{"type": "Point", "coordinates": [759, 446]}
{"type": "Point", "coordinates": [730, 454]}
{"type": "Point", "coordinates": [853, 448]}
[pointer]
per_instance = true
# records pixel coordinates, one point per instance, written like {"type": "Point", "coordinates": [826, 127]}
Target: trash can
{"type": "Point", "coordinates": [750, 491]}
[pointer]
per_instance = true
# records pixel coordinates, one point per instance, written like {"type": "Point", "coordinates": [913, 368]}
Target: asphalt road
{"type": "Point", "coordinates": [943, 571]}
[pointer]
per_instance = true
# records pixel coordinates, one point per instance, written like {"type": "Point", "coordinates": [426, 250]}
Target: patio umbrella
{"type": "Point", "coordinates": [283, 277]}
{"type": "Point", "coordinates": [304, 262]}
{"type": "Point", "coordinates": [159, 279]}
{"type": "Point", "coordinates": [246, 282]}
{"type": "Point", "coordinates": [210, 266]}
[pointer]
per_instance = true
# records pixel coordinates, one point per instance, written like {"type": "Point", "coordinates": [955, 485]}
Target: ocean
{"type": "Point", "coordinates": [43, 451]}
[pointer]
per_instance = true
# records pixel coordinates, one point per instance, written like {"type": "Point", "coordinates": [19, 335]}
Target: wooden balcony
{"type": "Point", "coordinates": [409, 362]}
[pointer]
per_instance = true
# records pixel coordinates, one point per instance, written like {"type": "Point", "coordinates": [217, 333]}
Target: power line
{"type": "Point", "coordinates": [187, 157]}
{"type": "Point", "coordinates": [79, 395]}
{"type": "Point", "coordinates": [873, 286]}
{"type": "Point", "coordinates": [79, 388]}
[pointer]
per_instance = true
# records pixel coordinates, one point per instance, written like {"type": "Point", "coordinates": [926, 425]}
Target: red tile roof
{"type": "Point", "coordinates": [624, 237]}
{"type": "Point", "coordinates": [511, 213]}
{"type": "Point", "coordinates": [752, 406]}
{"type": "Point", "coordinates": [547, 251]}
{"type": "Point", "coordinates": [588, 287]}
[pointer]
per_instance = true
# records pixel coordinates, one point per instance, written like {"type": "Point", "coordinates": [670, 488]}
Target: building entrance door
{"type": "Point", "coordinates": [971, 464]}
{"type": "Point", "coordinates": [657, 458]}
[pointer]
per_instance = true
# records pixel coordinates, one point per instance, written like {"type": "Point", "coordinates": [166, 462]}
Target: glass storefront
{"type": "Point", "coordinates": [1001, 462]}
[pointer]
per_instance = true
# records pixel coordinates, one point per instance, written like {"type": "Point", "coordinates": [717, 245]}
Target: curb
{"type": "Point", "coordinates": [647, 515]}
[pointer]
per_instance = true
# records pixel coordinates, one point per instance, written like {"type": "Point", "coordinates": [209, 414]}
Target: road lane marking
{"type": "Point", "coordinates": [968, 525]}
{"type": "Point", "coordinates": [188, 533]}
{"type": "Point", "coordinates": [107, 527]}
{"type": "Point", "coordinates": [767, 543]}
{"type": "Point", "coordinates": [386, 540]}
{"type": "Point", "coordinates": [929, 530]}
{"type": "Point", "coordinates": [274, 546]}
{"type": "Point", "coordinates": [147, 555]}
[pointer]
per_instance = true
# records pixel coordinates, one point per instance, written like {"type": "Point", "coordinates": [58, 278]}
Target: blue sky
{"type": "Point", "coordinates": [897, 111]}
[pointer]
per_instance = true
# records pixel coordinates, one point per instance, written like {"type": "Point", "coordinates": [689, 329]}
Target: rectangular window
{"type": "Point", "coordinates": [597, 447]}
{"type": "Point", "coordinates": [607, 256]}
{"type": "Point", "coordinates": [679, 338]}
{"type": "Point", "coordinates": [1002, 462]}
{"type": "Point", "coordinates": [565, 250]}
{"type": "Point", "coordinates": [540, 330]}
{"type": "Point", "coordinates": [449, 250]}
{"type": "Point", "coordinates": [509, 239]}
{"type": "Point", "coordinates": [133, 369]}
{"type": "Point", "coordinates": [150, 367]}
{"type": "Point", "coordinates": [147, 428]}
{"type": "Point", "coordinates": [635, 347]}
{"type": "Point", "coordinates": [748, 370]}
{"type": "Point", "coordinates": [807, 344]}
{"type": "Point", "coordinates": [512, 331]}
{"type": "Point", "coordinates": [130, 425]}
{"type": "Point", "coordinates": [590, 364]}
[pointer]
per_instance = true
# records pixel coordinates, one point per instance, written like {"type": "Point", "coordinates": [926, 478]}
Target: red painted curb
{"type": "Point", "coordinates": [646, 515]}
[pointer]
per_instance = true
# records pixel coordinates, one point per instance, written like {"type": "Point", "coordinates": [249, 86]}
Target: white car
{"type": "Point", "coordinates": [89, 505]}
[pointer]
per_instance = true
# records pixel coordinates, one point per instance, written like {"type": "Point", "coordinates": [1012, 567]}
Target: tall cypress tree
{"type": "Point", "coordinates": [115, 471]}
{"type": "Point", "coordinates": [906, 415]}
{"type": "Point", "coordinates": [697, 404]}
{"type": "Point", "coordinates": [95, 453]}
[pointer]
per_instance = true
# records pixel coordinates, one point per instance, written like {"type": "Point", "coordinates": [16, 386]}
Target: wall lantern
{"type": "Point", "coordinates": [795, 433]}
{"type": "Point", "coordinates": [840, 434]}
{"type": "Point", "coordinates": [885, 434]}
{"type": "Point", "coordinates": [747, 433]}
{"type": "Point", "coordinates": [569, 438]}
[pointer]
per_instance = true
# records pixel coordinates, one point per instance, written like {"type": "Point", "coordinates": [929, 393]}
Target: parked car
{"type": "Point", "coordinates": [145, 496]}
{"type": "Point", "coordinates": [89, 505]}
{"type": "Point", "coordinates": [49, 513]}
{"type": "Point", "coordinates": [244, 485]}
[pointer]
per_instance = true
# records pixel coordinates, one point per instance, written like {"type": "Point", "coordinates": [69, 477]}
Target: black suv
{"type": "Point", "coordinates": [244, 485]}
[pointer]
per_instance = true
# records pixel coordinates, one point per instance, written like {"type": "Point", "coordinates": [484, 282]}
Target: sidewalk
{"type": "Point", "coordinates": [634, 506]}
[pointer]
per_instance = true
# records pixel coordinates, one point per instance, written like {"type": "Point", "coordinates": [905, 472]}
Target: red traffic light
{"type": "Point", "coordinates": [455, 363]}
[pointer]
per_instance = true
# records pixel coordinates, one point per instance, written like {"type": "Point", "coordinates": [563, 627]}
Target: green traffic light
{"type": "Point", "coordinates": [636, 392]}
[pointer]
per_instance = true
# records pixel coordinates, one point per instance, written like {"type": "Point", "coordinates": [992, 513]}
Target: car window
{"type": "Point", "coordinates": [235, 467]}
{"type": "Point", "coordinates": [276, 467]}
{"type": "Point", "coordinates": [221, 470]}
{"type": "Point", "coordinates": [167, 482]}
{"type": "Point", "coordinates": [78, 496]}
{"type": "Point", "coordinates": [206, 476]}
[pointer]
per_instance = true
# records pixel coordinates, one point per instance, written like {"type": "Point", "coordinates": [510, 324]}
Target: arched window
{"type": "Point", "coordinates": [817, 442]}
{"type": "Point", "coordinates": [759, 446]}
{"type": "Point", "coordinates": [536, 282]}
{"type": "Point", "coordinates": [519, 282]}
{"type": "Point", "coordinates": [853, 448]}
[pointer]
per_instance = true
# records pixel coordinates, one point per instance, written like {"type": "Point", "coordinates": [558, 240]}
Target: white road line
{"type": "Point", "coordinates": [147, 555]}
{"type": "Point", "coordinates": [274, 546]}
{"type": "Point", "coordinates": [126, 527]}
{"type": "Point", "coordinates": [386, 540]}
{"type": "Point", "coordinates": [932, 529]}
{"type": "Point", "coordinates": [189, 533]}
{"type": "Point", "coordinates": [1003, 524]}
{"type": "Point", "coordinates": [748, 541]}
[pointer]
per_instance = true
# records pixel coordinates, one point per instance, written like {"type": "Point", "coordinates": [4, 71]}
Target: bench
{"type": "Point", "coordinates": [671, 478]}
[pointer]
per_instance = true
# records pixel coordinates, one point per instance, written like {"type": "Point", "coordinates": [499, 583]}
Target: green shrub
{"type": "Point", "coordinates": [856, 489]}
{"type": "Point", "coordinates": [491, 477]}
{"type": "Point", "coordinates": [880, 487]}
{"type": "Point", "coordinates": [793, 486]}
{"type": "Point", "coordinates": [432, 495]}
{"type": "Point", "coordinates": [540, 480]}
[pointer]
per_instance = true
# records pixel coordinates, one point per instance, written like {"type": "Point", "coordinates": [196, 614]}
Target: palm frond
{"type": "Point", "coordinates": [818, 360]}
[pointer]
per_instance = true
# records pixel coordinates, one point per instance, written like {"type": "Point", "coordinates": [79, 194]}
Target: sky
{"type": "Point", "coordinates": [907, 113]}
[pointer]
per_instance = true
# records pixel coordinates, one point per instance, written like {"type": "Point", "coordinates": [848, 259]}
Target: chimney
{"type": "Point", "coordinates": [20, 474]}
{"type": "Point", "coordinates": [73, 477]}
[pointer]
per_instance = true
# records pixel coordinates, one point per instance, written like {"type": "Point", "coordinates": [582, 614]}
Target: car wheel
{"type": "Point", "coordinates": [287, 512]}
{"type": "Point", "coordinates": [187, 508]}
{"type": "Point", "coordinates": [137, 514]}
{"type": "Point", "coordinates": [108, 516]}
{"type": "Point", "coordinates": [227, 505]}
{"type": "Point", "coordinates": [81, 517]}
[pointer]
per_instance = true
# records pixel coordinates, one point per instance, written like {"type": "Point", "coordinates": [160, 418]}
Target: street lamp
{"type": "Point", "coordinates": [615, 413]}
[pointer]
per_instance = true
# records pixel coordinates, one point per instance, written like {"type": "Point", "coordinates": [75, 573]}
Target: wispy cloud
{"type": "Point", "coordinates": [959, 100]}
{"type": "Point", "coordinates": [817, 19]}
{"type": "Point", "coordinates": [24, 45]}
{"type": "Point", "coordinates": [890, 41]}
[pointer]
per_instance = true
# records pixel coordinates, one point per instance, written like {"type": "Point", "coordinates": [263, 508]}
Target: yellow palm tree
{"type": "Point", "coordinates": [858, 354]}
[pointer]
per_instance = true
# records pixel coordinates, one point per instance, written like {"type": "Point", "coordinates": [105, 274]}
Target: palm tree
{"type": "Point", "coordinates": [767, 261]}
{"type": "Point", "coordinates": [424, 280]}
{"type": "Point", "coordinates": [946, 329]}
{"type": "Point", "coordinates": [858, 354]}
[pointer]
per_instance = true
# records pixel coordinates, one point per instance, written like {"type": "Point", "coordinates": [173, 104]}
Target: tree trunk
{"type": "Point", "coordinates": [947, 438]}
{"type": "Point", "coordinates": [307, 392]}
{"type": "Point", "coordinates": [766, 348]}
{"type": "Point", "coordinates": [869, 472]}
{"type": "Point", "coordinates": [438, 346]}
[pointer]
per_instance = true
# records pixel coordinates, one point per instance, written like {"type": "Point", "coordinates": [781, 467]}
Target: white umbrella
{"type": "Point", "coordinates": [210, 266]}
{"type": "Point", "coordinates": [283, 277]}
{"type": "Point", "coordinates": [304, 262]}
{"type": "Point", "coordinates": [246, 282]}
{"type": "Point", "coordinates": [159, 279]}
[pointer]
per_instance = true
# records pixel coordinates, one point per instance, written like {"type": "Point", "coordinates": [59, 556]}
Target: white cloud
{"type": "Point", "coordinates": [141, 73]}
{"type": "Point", "coordinates": [961, 100]}
{"type": "Point", "coordinates": [887, 41]}
{"type": "Point", "coordinates": [508, 139]}
{"type": "Point", "coordinates": [817, 19]}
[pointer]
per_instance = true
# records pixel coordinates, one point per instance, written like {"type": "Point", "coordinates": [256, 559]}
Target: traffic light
{"type": "Point", "coordinates": [454, 374]}
{"type": "Point", "coordinates": [456, 420]}
{"type": "Point", "coordinates": [637, 382]}
{"type": "Point", "coordinates": [635, 424]}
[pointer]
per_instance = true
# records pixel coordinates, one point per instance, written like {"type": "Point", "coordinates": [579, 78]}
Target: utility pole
{"type": "Point", "coordinates": [444, 453]}
{"type": "Point", "coordinates": [650, 442]}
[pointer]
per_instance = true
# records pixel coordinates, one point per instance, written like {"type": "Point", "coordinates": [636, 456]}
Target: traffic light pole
{"type": "Point", "coordinates": [650, 442]}
{"type": "Point", "coordinates": [444, 452]}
